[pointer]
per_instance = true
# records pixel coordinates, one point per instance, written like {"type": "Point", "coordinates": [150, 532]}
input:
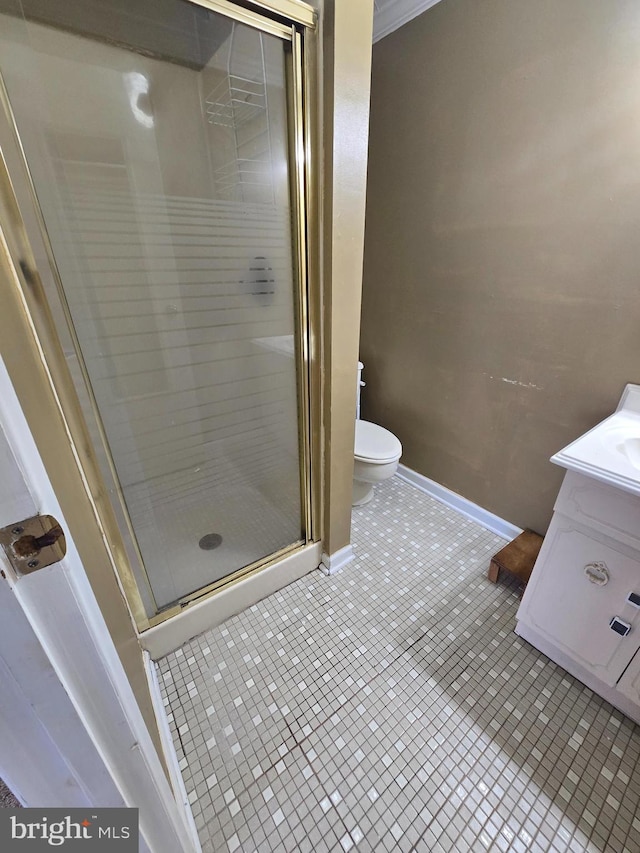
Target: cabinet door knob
{"type": "Point", "coordinates": [597, 573]}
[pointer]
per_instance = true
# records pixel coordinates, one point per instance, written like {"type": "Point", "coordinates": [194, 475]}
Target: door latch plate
{"type": "Point", "coordinates": [33, 544]}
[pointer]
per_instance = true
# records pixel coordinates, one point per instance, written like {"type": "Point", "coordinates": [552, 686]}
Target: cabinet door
{"type": "Point", "coordinates": [579, 584]}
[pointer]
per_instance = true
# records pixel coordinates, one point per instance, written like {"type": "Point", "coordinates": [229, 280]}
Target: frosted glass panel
{"type": "Point", "coordinates": [156, 134]}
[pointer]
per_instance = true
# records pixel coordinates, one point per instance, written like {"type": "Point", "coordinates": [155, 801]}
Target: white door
{"type": "Point", "coordinates": [46, 754]}
{"type": "Point", "coordinates": [71, 731]}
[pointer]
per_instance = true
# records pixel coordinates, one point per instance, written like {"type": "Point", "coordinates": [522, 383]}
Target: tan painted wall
{"type": "Point", "coordinates": [501, 314]}
{"type": "Point", "coordinates": [347, 68]}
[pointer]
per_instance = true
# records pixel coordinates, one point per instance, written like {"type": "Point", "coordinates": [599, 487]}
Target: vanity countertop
{"type": "Point", "coordinates": [610, 451]}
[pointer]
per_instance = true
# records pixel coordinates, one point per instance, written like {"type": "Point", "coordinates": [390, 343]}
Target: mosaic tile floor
{"type": "Point", "coordinates": [391, 707]}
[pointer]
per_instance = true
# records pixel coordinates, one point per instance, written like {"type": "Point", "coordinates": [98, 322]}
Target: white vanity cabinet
{"type": "Point", "coordinates": [581, 606]}
{"type": "Point", "coordinates": [578, 607]}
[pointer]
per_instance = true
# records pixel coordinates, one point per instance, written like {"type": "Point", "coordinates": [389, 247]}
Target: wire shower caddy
{"type": "Point", "coordinates": [239, 102]}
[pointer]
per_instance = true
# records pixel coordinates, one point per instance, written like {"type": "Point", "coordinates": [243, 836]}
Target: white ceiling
{"type": "Point", "coordinates": [391, 14]}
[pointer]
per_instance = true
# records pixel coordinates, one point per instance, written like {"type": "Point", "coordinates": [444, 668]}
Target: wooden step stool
{"type": "Point", "coordinates": [517, 558]}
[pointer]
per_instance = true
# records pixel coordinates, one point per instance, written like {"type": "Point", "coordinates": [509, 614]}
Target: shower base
{"type": "Point", "coordinates": [251, 527]}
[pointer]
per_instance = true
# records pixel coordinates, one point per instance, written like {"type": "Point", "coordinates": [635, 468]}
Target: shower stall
{"type": "Point", "coordinates": [164, 147]}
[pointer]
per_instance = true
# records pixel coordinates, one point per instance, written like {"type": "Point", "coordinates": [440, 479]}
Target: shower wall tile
{"type": "Point", "coordinates": [391, 707]}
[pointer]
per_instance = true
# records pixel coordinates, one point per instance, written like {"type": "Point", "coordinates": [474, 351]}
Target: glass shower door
{"type": "Point", "coordinates": [157, 137]}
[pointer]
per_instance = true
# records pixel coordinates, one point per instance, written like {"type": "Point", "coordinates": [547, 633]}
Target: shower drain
{"type": "Point", "coordinates": [210, 541]}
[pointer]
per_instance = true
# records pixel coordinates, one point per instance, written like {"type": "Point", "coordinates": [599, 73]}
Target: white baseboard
{"type": "Point", "coordinates": [169, 751]}
{"type": "Point", "coordinates": [332, 563]}
{"type": "Point", "coordinates": [200, 616]}
{"type": "Point", "coordinates": [465, 507]}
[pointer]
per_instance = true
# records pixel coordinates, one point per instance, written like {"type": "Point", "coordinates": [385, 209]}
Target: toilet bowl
{"type": "Point", "coordinates": [377, 453]}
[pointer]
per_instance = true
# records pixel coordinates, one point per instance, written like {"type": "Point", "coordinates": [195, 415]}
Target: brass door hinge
{"type": "Point", "coordinates": [33, 543]}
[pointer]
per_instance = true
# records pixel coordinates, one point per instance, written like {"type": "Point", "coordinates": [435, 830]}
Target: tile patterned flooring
{"type": "Point", "coordinates": [391, 707]}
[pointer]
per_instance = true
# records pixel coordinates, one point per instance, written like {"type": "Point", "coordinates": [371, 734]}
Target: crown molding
{"type": "Point", "coordinates": [394, 13]}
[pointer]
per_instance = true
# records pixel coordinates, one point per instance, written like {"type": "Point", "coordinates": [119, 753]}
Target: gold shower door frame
{"type": "Point", "coordinates": [26, 319]}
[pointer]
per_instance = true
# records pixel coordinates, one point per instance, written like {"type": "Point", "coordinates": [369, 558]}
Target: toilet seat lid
{"type": "Point", "coordinates": [375, 443]}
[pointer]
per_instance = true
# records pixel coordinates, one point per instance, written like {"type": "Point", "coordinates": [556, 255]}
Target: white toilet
{"type": "Point", "coordinates": [377, 453]}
